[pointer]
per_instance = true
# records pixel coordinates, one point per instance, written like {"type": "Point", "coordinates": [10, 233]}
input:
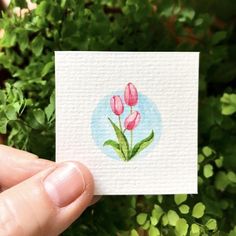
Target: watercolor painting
{"type": "Point", "coordinates": [133, 124]}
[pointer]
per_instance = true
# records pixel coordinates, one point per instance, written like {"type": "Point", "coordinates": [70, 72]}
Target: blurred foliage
{"type": "Point", "coordinates": [27, 45]}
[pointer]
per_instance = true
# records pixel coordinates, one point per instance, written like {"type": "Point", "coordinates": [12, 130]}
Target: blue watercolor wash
{"type": "Point", "coordinates": [102, 129]}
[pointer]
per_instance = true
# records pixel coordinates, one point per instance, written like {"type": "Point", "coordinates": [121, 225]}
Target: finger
{"type": "Point", "coordinates": [95, 199]}
{"type": "Point", "coordinates": [16, 166]}
{"type": "Point", "coordinates": [48, 202]}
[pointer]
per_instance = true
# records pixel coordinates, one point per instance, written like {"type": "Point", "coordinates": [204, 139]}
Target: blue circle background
{"type": "Point", "coordinates": [102, 129]}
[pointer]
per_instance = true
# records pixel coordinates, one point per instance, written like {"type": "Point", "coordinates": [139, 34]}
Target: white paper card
{"type": "Point", "coordinates": [131, 118]}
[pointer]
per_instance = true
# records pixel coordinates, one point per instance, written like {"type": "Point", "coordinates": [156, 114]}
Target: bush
{"type": "Point", "coordinates": [27, 45]}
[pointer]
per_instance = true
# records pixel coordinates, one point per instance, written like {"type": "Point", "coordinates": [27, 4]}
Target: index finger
{"type": "Point", "coordinates": [17, 165]}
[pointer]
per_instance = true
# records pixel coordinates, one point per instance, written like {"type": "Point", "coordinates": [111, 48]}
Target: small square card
{"type": "Point", "coordinates": [131, 118]}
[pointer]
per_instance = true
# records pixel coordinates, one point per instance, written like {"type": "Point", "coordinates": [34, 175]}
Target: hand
{"type": "Point", "coordinates": [40, 197]}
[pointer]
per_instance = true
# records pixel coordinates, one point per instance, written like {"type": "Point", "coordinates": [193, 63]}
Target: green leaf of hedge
{"type": "Point", "coordinates": [218, 37]}
{"type": "Point", "coordinates": [153, 231]}
{"type": "Point", "coordinates": [23, 39]}
{"type": "Point", "coordinates": [42, 9]}
{"type": "Point", "coordinates": [208, 170]}
{"type": "Point", "coordinates": [37, 45]}
{"type": "Point", "coordinates": [157, 212]}
{"type": "Point", "coordinates": [3, 124]}
{"type": "Point", "coordinates": [221, 181]}
{"type": "Point", "coordinates": [207, 151]}
{"type": "Point", "coordinates": [11, 112]}
{"type": "Point", "coordinates": [198, 210]}
{"type": "Point", "coordinates": [232, 232]}
{"type": "Point", "coordinates": [184, 209]}
{"type": "Point", "coordinates": [20, 3]}
{"type": "Point", "coordinates": [219, 162]}
{"type": "Point", "coordinates": [181, 227]}
{"type": "Point", "coordinates": [47, 68]}
{"type": "Point", "coordinates": [9, 39]}
{"type": "Point", "coordinates": [180, 198]}
{"type": "Point", "coordinates": [134, 233]}
{"type": "Point", "coordinates": [141, 218]}
{"type": "Point", "coordinates": [172, 217]}
{"type": "Point", "coordinates": [231, 176]}
{"type": "Point", "coordinates": [228, 104]}
{"type": "Point", "coordinates": [50, 109]}
{"type": "Point", "coordinates": [195, 230]}
{"type": "Point", "coordinates": [146, 226]}
{"type": "Point", "coordinates": [39, 116]}
{"type": "Point", "coordinates": [211, 224]}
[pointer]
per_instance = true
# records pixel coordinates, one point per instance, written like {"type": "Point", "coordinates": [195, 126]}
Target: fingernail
{"type": "Point", "coordinates": [65, 184]}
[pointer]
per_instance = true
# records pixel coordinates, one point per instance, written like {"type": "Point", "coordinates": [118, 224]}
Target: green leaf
{"type": "Point", "coordinates": [198, 210]}
{"type": "Point", "coordinates": [181, 227]}
{"type": "Point", "coordinates": [20, 3]}
{"type": "Point", "coordinates": [228, 104]}
{"type": "Point", "coordinates": [184, 209]}
{"type": "Point", "coordinates": [200, 158]}
{"type": "Point", "coordinates": [195, 230]}
{"type": "Point", "coordinates": [48, 68]}
{"type": "Point", "coordinates": [180, 198]}
{"type": "Point", "coordinates": [211, 224]}
{"type": "Point", "coordinates": [186, 14]}
{"type": "Point", "coordinates": [134, 233]}
{"type": "Point", "coordinates": [37, 45]}
{"type": "Point", "coordinates": [157, 212]}
{"type": "Point", "coordinates": [232, 232]}
{"type": "Point", "coordinates": [160, 198]}
{"type": "Point", "coordinates": [141, 218]}
{"type": "Point", "coordinates": [116, 147]}
{"type": "Point", "coordinates": [121, 139]}
{"type": "Point", "coordinates": [50, 109]}
{"type": "Point", "coordinates": [39, 116]}
{"type": "Point", "coordinates": [2, 97]}
{"type": "Point", "coordinates": [153, 220]}
{"type": "Point", "coordinates": [172, 217]}
{"type": "Point", "coordinates": [11, 112]}
{"type": "Point", "coordinates": [142, 144]}
{"type": "Point", "coordinates": [164, 220]}
{"type": "Point", "coordinates": [153, 231]}
{"type": "Point", "coordinates": [42, 9]}
{"type": "Point", "coordinates": [218, 37]}
{"type": "Point", "coordinates": [208, 170]}
{"type": "Point", "coordinates": [54, 14]}
{"type": "Point", "coordinates": [221, 181]}
{"type": "Point", "coordinates": [219, 162]}
{"type": "Point", "coordinates": [146, 226]}
{"type": "Point", "coordinates": [231, 176]}
{"type": "Point", "coordinates": [207, 151]}
{"type": "Point", "coordinates": [9, 39]}
{"type": "Point", "coordinates": [23, 39]}
{"type": "Point", "coordinates": [3, 124]}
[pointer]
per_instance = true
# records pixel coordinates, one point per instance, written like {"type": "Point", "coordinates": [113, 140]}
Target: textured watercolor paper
{"type": "Point", "coordinates": [131, 118]}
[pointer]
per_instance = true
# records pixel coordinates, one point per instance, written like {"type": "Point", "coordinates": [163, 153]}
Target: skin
{"type": "Point", "coordinates": [26, 207]}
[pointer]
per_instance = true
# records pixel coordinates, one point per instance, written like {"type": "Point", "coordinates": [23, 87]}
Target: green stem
{"type": "Point", "coordinates": [121, 131]}
{"type": "Point", "coordinates": [131, 132]}
{"type": "Point", "coordinates": [120, 123]}
{"type": "Point", "coordinates": [131, 139]}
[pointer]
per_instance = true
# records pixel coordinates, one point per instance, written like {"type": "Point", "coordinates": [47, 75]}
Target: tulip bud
{"type": "Point", "coordinates": [132, 120]}
{"type": "Point", "coordinates": [131, 95]}
{"type": "Point", "coordinates": [117, 105]}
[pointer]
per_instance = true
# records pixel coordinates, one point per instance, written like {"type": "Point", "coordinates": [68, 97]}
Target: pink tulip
{"type": "Point", "coordinates": [132, 120]}
{"type": "Point", "coordinates": [131, 95]}
{"type": "Point", "coordinates": [117, 105]}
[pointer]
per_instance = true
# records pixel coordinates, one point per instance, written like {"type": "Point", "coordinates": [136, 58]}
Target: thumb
{"type": "Point", "coordinates": [48, 202]}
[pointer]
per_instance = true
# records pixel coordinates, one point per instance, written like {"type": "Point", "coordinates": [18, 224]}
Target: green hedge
{"type": "Point", "coordinates": [27, 99]}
